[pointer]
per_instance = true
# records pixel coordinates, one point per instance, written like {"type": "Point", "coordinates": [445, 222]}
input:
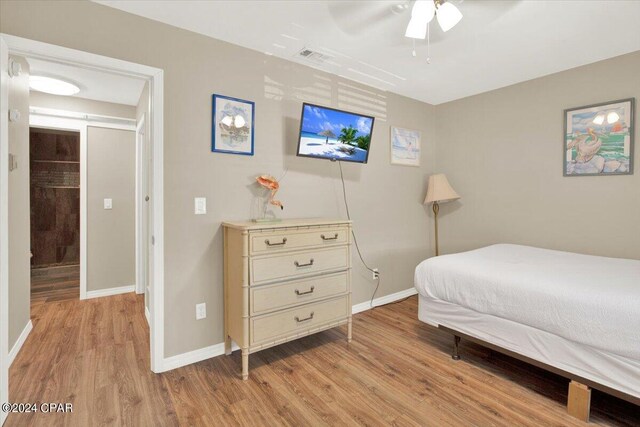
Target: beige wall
{"type": "Point", "coordinates": [385, 200]}
{"type": "Point", "coordinates": [19, 208]}
{"type": "Point", "coordinates": [81, 105]}
{"type": "Point", "coordinates": [110, 232]}
{"type": "Point", "coordinates": [502, 151]}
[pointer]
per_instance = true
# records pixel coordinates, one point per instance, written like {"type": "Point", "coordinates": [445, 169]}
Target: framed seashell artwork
{"type": "Point", "coordinates": [232, 125]}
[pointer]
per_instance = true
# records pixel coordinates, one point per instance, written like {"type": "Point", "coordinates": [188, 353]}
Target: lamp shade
{"type": "Point", "coordinates": [439, 190]}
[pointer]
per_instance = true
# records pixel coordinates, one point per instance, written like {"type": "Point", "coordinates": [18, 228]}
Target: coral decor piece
{"type": "Point", "coordinates": [270, 183]}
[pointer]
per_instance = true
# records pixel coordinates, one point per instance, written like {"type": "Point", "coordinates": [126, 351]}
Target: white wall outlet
{"type": "Point", "coordinates": [201, 310]}
{"type": "Point", "coordinates": [200, 205]}
{"type": "Point", "coordinates": [108, 203]}
{"type": "Point", "coordinates": [375, 274]}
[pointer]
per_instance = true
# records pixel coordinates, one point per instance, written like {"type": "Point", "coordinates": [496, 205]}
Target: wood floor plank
{"type": "Point", "coordinates": [397, 371]}
{"type": "Point", "coordinates": [55, 284]}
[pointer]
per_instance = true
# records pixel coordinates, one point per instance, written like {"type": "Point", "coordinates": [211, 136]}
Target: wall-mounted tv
{"type": "Point", "coordinates": [327, 133]}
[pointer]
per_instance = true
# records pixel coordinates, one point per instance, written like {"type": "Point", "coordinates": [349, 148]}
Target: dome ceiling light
{"type": "Point", "coordinates": [52, 85]}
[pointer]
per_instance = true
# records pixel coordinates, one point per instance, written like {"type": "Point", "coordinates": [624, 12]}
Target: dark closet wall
{"type": "Point", "coordinates": [55, 197]}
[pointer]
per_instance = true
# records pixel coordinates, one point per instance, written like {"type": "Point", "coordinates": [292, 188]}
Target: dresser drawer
{"type": "Point", "coordinates": [304, 263]}
{"type": "Point", "coordinates": [281, 240]}
{"type": "Point", "coordinates": [298, 320]}
{"type": "Point", "coordinates": [273, 297]}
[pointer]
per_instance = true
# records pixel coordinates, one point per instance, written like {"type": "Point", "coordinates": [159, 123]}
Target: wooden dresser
{"type": "Point", "coordinates": [284, 280]}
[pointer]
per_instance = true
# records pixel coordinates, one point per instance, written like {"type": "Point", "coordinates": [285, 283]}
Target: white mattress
{"type": "Point", "coordinates": [594, 301]}
{"type": "Point", "coordinates": [617, 372]}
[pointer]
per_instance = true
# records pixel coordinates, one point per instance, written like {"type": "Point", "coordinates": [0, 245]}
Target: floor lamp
{"type": "Point", "coordinates": [439, 191]}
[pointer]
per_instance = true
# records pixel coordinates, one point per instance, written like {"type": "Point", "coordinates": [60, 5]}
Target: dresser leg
{"type": "Point", "coordinates": [245, 364]}
{"type": "Point", "coordinates": [349, 329]}
{"type": "Point", "coordinates": [227, 345]}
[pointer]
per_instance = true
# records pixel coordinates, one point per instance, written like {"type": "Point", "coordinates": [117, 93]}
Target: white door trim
{"type": "Point", "coordinates": [141, 223]}
{"type": "Point", "coordinates": [4, 226]}
{"type": "Point", "coordinates": [155, 79]}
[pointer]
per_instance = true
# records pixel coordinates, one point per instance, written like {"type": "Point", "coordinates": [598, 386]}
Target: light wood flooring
{"type": "Point", "coordinates": [397, 371]}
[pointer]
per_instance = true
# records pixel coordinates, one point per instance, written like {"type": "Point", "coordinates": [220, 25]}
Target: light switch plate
{"type": "Point", "coordinates": [108, 203]}
{"type": "Point", "coordinates": [200, 205]}
{"type": "Point", "coordinates": [201, 311]}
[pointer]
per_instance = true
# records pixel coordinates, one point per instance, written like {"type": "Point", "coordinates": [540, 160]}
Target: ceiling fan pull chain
{"type": "Point", "coordinates": [428, 43]}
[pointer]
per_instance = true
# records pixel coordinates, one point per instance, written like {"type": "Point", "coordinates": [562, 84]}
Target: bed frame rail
{"type": "Point", "coordinates": [579, 394]}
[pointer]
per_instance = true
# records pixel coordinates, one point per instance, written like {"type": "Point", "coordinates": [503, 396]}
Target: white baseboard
{"type": "Point", "coordinates": [21, 339]}
{"type": "Point", "coordinates": [205, 353]}
{"type": "Point", "coordinates": [195, 356]}
{"type": "Point", "coordinates": [147, 314]}
{"type": "Point", "coordinates": [111, 291]}
{"type": "Point", "coordinates": [364, 306]}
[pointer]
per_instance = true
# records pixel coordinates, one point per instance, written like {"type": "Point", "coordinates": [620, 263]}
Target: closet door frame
{"type": "Point", "coordinates": [57, 120]}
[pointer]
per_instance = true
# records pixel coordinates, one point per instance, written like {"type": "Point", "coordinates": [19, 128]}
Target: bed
{"type": "Point", "coordinates": [576, 315]}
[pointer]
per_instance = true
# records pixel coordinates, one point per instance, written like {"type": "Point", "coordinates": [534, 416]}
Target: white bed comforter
{"type": "Point", "coordinates": [587, 299]}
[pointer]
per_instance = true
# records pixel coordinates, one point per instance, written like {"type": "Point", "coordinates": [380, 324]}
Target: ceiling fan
{"type": "Point", "coordinates": [447, 14]}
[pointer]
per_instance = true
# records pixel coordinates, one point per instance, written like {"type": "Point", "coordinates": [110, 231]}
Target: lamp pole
{"type": "Point", "coordinates": [436, 209]}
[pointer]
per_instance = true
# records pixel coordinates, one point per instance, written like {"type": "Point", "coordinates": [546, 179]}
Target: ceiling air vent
{"type": "Point", "coordinates": [313, 56]}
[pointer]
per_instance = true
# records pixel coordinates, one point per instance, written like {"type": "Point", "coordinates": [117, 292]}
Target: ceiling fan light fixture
{"type": "Point", "coordinates": [448, 16]}
{"type": "Point", "coordinates": [417, 29]}
{"type": "Point", "coordinates": [421, 14]}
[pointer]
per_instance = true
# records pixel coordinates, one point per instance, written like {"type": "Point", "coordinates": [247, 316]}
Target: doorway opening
{"type": "Point", "coordinates": [54, 163]}
{"type": "Point", "coordinates": [10, 73]}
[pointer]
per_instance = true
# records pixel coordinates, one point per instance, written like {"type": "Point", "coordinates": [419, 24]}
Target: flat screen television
{"type": "Point", "coordinates": [327, 133]}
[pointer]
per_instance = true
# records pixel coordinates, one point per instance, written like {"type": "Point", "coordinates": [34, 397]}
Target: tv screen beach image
{"type": "Point", "coordinates": [333, 134]}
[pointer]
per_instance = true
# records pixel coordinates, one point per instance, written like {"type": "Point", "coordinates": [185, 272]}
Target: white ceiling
{"type": "Point", "coordinates": [496, 44]}
{"type": "Point", "coordinates": [93, 84]}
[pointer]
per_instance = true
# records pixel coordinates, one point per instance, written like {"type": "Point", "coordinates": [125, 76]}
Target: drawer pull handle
{"type": "Point", "coordinates": [310, 291]}
{"type": "Point", "coordinates": [335, 237]}
{"type": "Point", "coordinates": [297, 264]}
{"type": "Point", "coordinates": [268, 243]}
{"type": "Point", "coordinates": [299, 320]}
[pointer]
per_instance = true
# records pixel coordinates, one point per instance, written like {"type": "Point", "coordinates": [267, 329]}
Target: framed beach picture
{"type": "Point", "coordinates": [598, 139]}
{"type": "Point", "coordinates": [232, 125]}
{"type": "Point", "coordinates": [405, 147]}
